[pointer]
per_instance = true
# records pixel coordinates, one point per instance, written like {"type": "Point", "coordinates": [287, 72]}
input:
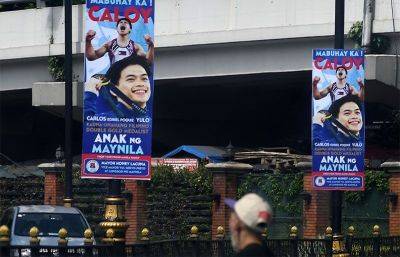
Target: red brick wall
{"type": "Point", "coordinates": [394, 210]}
{"type": "Point", "coordinates": [226, 186]}
{"type": "Point", "coordinates": [135, 212]}
{"type": "Point", "coordinates": [316, 214]}
{"type": "Point", "coordinates": [53, 189]}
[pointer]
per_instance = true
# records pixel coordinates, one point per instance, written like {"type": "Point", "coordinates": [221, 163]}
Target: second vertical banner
{"type": "Point", "coordinates": [338, 120]}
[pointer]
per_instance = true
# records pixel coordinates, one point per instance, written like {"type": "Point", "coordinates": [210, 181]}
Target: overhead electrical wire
{"type": "Point", "coordinates": [9, 159]}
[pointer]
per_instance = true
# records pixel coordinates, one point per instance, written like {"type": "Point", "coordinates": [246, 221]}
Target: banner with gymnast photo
{"type": "Point", "coordinates": [338, 119]}
{"type": "Point", "coordinates": [119, 88]}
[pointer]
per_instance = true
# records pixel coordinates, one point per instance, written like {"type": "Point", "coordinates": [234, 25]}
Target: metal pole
{"type": "Point", "coordinates": [336, 212]}
{"type": "Point", "coordinates": [339, 24]}
{"type": "Point", "coordinates": [114, 188]}
{"type": "Point", "coordinates": [68, 102]}
{"type": "Point", "coordinates": [114, 214]}
{"type": "Point", "coordinates": [336, 202]}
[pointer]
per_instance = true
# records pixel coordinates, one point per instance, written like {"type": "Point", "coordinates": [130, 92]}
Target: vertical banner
{"type": "Point", "coordinates": [338, 120]}
{"type": "Point", "coordinates": [119, 89]}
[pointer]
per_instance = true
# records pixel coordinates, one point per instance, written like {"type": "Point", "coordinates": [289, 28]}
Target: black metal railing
{"type": "Point", "coordinates": [358, 247]}
{"type": "Point", "coordinates": [194, 246]}
{"type": "Point", "coordinates": [375, 247]}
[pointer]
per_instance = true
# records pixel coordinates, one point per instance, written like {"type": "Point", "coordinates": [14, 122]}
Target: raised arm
{"type": "Point", "coordinates": [150, 52]}
{"type": "Point", "coordinates": [139, 50]}
{"type": "Point", "coordinates": [362, 86]}
{"type": "Point", "coordinates": [90, 52]}
{"type": "Point", "coordinates": [92, 87]}
{"type": "Point", "coordinates": [319, 94]}
{"type": "Point", "coordinates": [319, 118]}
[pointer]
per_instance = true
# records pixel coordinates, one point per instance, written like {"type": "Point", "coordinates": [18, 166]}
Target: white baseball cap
{"type": "Point", "coordinates": [252, 210]}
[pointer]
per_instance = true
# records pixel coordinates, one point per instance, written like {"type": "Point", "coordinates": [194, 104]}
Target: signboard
{"type": "Point", "coordinates": [118, 95]}
{"type": "Point", "coordinates": [176, 163]}
{"type": "Point", "coordinates": [338, 120]}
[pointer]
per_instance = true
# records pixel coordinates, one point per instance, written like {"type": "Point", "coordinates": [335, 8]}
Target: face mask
{"type": "Point", "coordinates": [235, 241]}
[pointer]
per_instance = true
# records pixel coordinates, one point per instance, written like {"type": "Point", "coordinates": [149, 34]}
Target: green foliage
{"type": "Point", "coordinates": [178, 200]}
{"type": "Point", "coordinates": [16, 7]}
{"type": "Point", "coordinates": [379, 43]}
{"type": "Point", "coordinates": [56, 67]}
{"type": "Point", "coordinates": [374, 180]}
{"type": "Point", "coordinates": [365, 209]}
{"type": "Point", "coordinates": [199, 180]}
{"type": "Point", "coordinates": [282, 190]}
{"type": "Point", "coordinates": [20, 191]}
{"type": "Point", "coordinates": [355, 33]}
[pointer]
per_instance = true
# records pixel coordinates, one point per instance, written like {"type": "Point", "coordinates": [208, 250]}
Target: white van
{"type": "Point", "coordinates": [49, 220]}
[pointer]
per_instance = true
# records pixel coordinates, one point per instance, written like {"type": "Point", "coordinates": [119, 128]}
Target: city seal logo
{"type": "Point", "coordinates": [319, 181]}
{"type": "Point", "coordinates": [92, 166]}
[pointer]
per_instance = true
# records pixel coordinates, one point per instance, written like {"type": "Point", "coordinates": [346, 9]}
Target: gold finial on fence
{"type": "Point", "coordinates": [110, 234]}
{"type": "Point", "coordinates": [350, 231]}
{"type": "Point", "coordinates": [220, 232]}
{"type": "Point", "coordinates": [293, 232]}
{"type": "Point", "coordinates": [88, 234]}
{"type": "Point", "coordinates": [34, 233]}
{"type": "Point", "coordinates": [376, 230]}
{"type": "Point", "coordinates": [328, 232]}
{"type": "Point", "coordinates": [145, 234]}
{"type": "Point", "coordinates": [4, 235]}
{"type": "Point", "coordinates": [62, 234]}
{"type": "Point", "coordinates": [194, 232]}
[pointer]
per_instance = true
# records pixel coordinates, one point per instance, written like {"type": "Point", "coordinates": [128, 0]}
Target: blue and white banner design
{"type": "Point", "coordinates": [338, 119]}
{"type": "Point", "coordinates": [119, 88]}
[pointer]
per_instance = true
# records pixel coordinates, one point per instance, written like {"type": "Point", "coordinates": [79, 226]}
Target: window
{"type": "Point", "coordinates": [50, 223]}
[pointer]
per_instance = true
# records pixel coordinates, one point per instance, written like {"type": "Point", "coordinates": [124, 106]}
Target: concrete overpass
{"type": "Point", "coordinates": [196, 40]}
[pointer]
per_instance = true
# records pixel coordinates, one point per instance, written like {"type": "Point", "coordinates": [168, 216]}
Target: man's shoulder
{"type": "Point", "coordinates": [110, 43]}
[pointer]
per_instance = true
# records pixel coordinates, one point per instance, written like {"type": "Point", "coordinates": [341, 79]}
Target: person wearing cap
{"type": "Point", "coordinates": [249, 218]}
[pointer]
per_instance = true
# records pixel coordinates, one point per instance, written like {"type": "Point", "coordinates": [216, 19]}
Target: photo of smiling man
{"type": "Point", "coordinates": [343, 123]}
{"type": "Point", "coordinates": [125, 89]}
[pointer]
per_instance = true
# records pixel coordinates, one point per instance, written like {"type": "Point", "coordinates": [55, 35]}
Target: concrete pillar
{"type": "Point", "coordinates": [393, 168]}
{"type": "Point", "coordinates": [225, 176]}
{"type": "Point", "coordinates": [135, 209]}
{"type": "Point", "coordinates": [53, 186]}
{"type": "Point", "coordinates": [316, 210]}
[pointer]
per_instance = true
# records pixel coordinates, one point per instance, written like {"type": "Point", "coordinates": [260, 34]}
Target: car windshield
{"type": "Point", "coordinates": [50, 223]}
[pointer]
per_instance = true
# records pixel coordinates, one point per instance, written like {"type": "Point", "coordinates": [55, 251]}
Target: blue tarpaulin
{"type": "Point", "coordinates": [212, 153]}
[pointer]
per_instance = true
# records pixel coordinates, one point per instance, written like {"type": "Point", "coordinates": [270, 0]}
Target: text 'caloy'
{"type": "Point", "coordinates": [133, 14]}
